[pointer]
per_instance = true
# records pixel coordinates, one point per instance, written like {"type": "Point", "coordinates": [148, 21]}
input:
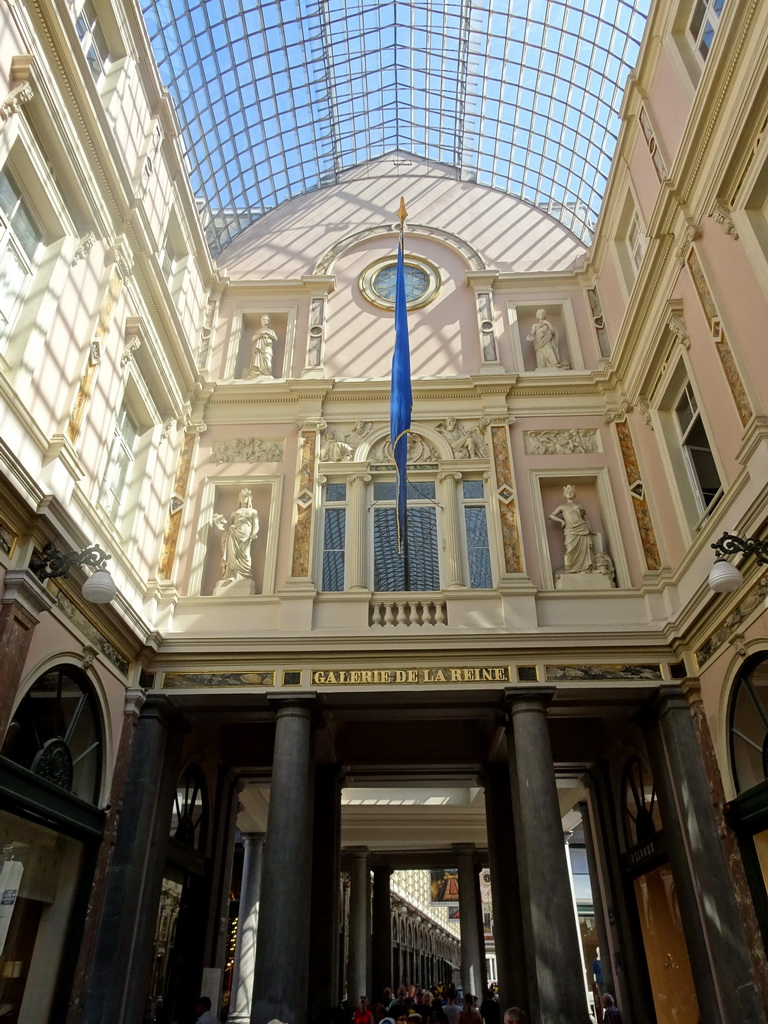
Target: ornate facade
{"type": "Point", "coordinates": [587, 421]}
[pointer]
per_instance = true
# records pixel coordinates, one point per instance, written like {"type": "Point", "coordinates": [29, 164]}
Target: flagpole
{"type": "Point", "coordinates": [401, 400]}
{"type": "Point", "coordinates": [402, 214]}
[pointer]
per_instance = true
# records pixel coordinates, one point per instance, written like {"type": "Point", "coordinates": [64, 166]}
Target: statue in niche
{"type": "Point", "coordinates": [546, 344]}
{"type": "Point", "coordinates": [577, 533]}
{"type": "Point", "coordinates": [582, 547]}
{"type": "Point", "coordinates": [262, 344]}
{"type": "Point", "coordinates": [239, 531]}
{"type": "Point", "coordinates": [465, 444]}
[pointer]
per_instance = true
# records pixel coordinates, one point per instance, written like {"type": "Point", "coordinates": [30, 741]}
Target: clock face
{"type": "Point", "coordinates": [422, 282]}
{"type": "Point", "coordinates": [416, 283]}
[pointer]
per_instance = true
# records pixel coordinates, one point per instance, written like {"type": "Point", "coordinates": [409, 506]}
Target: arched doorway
{"type": "Point", "coordinates": [50, 831]}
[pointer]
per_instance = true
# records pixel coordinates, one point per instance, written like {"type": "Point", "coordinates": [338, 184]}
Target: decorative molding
{"type": "Point", "coordinates": [85, 245]}
{"type": "Point", "coordinates": [637, 493]}
{"type": "Point", "coordinates": [505, 491]}
{"type": "Point", "coordinates": [310, 424]}
{"type": "Point", "coordinates": [91, 633]}
{"type": "Point", "coordinates": [676, 324]}
{"type": "Point", "coordinates": [616, 415]}
{"type": "Point", "coordinates": [215, 680]}
{"type": "Point", "coordinates": [465, 443]}
{"type": "Point", "coordinates": [486, 328]}
{"type": "Point", "coordinates": [149, 161]}
{"type": "Point", "coordinates": [473, 258]}
{"type": "Point", "coordinates": [561, 673]}
{"type": "Point", "coordinates": [20, 93]}
{"type": "Point", "coordinates": [173, 519]}
{"type": "Point", "coordinates": [302, 534]}
{"type": "Point", "coordinates": [653, 148]}
{"type": "Point", "coordinates": [167, 426]}
{"type": "Point", "coordinates": [687, 239]}
{"type": "Point", "coordinates": [581, 441]}
{"type": "Point", "coordinates": [121, 255]}
{"type": "Point", "coordinates": [598, 321]}
{"type": "Point", "coordinates": [721, 214]}
{"type": "Point", "coordinates": [725, 632]}
{"type": "Point", "coordinates": [247, 449]}
{"type": "Point", "coordinates": [206, 332]}
{"type": "Point", "coordinates": [420, 451]}
{"type": "Point", "coordinates": [722, 346]}
{"type": "Point", "coordinates": [131, 348]}
{"type": "Point", "coordinates": [83, 397]}
{"type": "Point", "coordinates": [643, 408]}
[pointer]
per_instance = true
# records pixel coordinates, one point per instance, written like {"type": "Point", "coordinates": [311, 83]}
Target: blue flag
{"type": "Point", "coordinates": [401, 396]}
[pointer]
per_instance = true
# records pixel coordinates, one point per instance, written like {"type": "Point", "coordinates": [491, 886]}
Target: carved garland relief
{"type": "Point", "coordinates": [506, 498]}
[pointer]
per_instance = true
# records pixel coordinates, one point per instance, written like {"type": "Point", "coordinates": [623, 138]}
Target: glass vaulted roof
{"type": "Point", "coordinates": [278, 97]}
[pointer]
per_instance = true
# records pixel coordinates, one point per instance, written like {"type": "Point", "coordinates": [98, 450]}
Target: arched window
{"type": "Point", "coordinates": [189, 823]}
{"type": "Point", "coordinates": [640, 810]}
{"type": "Point", "coordinates": [56, 732]}
{"type": "Point", "coordinates": [749, 724]}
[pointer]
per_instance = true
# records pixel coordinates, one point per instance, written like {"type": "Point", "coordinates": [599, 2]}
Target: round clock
{"type": "Point", "coordinates": [422, 282]}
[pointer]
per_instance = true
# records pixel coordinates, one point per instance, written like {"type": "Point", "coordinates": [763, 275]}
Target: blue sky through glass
{"type": "Point", "coordinates": [277, 97]}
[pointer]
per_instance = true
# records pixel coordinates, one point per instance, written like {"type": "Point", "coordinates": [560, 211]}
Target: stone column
{"type": "Point", "coordinates": [597, 902]}
{"type": "Point", "coordinates": [627, 955]}
{"type": "Point", "coordinates": [247, 927]}
{"type": "Point", "coordinates": [556, 985]}
{"type": "Point", "coordinates": [452, 561]}
{"type": "Point", "coordinates": [505, 887]}
{"type": "Point", "coordinates": [123, 947]}
{"type": "Point", "coordinates": [381, 933]}
{"type": "Point", "coordinates": [355, 577]}
{"type": "Point", "coordinates": [324, 992]}
{"type": "Point", "coordinates": [24, 599]}
{"type": "Point", "coordinates": [359, 924]}
{"type": "Point", "coordinates": [282, 944]}
{"type": "Point", "coordinates": [711, 918]}
{"type": "Point", "coordinates": [470, 921]}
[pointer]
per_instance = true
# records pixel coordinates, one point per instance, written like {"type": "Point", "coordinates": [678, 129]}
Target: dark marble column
{"type": "Point", "coordinates": [505, 887]}
{"type": "Point", "coordinates": [359, 924]}
{"type": "Point", "coordinates": [556, 984]}
{"type": "Point", "coordinates": [247, 928]}
{"type": "Point", "coordinates": [123, 948]}
{"type": "Point", "coordinates": [712, 922]}
{"type": "Point", "coordinates": [24, 600]}
{"type": "Point", "coordinates": [381, 933]}
{"type": "Point", "coordinates": [282, 944]}
{"type": "Point", "coordinates": [624, 954]}
{"type": "Point", "coordinates": [597, 902]}
{"type": "Point", "coordinates": [470, 921]}
{"type": "Point", "coordinates": [326, 869]}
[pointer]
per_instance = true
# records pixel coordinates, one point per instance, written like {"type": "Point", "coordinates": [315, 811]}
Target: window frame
{"type": "Point", "coordinates": [709, 17]}
{"type": "Point", "coordinates": [464, 504]}
{"type": "Point", "coordinates": [424, 502]}
{"type": "Point", "coordinates": [329, 505]}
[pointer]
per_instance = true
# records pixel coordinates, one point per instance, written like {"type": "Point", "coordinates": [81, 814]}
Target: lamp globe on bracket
{"type": "Point", "coordinates": [724, 577]}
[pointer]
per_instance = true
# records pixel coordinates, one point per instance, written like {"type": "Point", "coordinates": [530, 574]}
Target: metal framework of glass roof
{"type": "Point", "coordinates": [278, 97]}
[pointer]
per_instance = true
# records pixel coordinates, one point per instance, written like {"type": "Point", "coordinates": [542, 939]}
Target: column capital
{"type": "Point", "coordinates": [466, 848]}
{"type": "Point", "coordinates": [665, 699]}
{"type": "Point", "coordinates": [252, 837]}
{"type": "Point", "coordinates": [292, 705]}
{"type": "Point", "coordinates": [357, 851]}
{"type": "Point", "coordinates": [24, 589]}
{"type": "Point", "coordinates": [531, 698]}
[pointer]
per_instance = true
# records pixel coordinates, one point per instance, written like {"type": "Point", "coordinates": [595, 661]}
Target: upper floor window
{"type": "Point", "coordinates": [630, 241]}
{"type": "Point", "coordinates": [697, 450]}
{"type": "Point", "coordinates": [92, 40]}
{"type": "Point", "coordinates": [20, 243]}
{"type": "Point", "coordinates": [749, 724]}
{"type": "Point", "coordinates": [416, 565]}
{"type": "Point", "coordinates": [168, 261]}
{"type": "Point", "coordinates": [334, 536]}
{"type": "Point", "coordinates": [635, 241]}
{"type": "Point", "coordinates": [704, 23]}
{"type": "Point", "coordinates": [476, 534]}
{"type": "Point", "coordinates": [122, 454]}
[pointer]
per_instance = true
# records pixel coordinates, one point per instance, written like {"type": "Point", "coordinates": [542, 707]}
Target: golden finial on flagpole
{"type": "Point", "coordinates": [402, 213]}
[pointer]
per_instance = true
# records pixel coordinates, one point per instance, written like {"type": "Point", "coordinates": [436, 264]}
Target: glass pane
{"type": "Point", "coordinates": [333, 570]}
{"type": "Point", "coordinates": [473, 488]}
{"type": "Point", "coordinates": [384, 490]}
{"type": "Point", "coordinates": [333, 553]}
{"type": "Point", "coordinates": [38, 873]}
{"type": "Point", "coordinates": [698, 18]}
{"type": "Point", "coordinates": [706, 472]}
{"type": "Point", "coordinates": [388, 566]}
{"type": "Point", "coordinates": [336, 492]}
{"type": "Point", "coordinates": [478, 554]}
{"type": "Point", "coordinates": [8, 194]}
{"type": "Point", "coordinates": [684, 411]}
